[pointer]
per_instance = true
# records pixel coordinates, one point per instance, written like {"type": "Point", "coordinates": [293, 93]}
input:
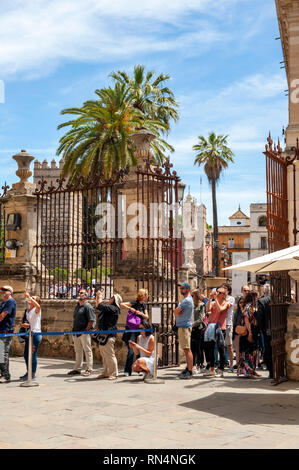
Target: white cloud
{"type": "Point", "coordinates": [258, 86]}
{"type": "Point", "coordinates": [37, 37]}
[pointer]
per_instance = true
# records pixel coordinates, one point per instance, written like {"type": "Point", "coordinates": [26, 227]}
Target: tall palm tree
{"type": "Point", "coordinates": [215, 155]}
{"type": "Point", "coordinates": [99, 138]}
{"type": "Point", "coordinates": [154, 99]}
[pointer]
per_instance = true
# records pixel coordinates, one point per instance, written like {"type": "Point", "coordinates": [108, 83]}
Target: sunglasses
{"type": "Point", "coordinates": [221, 292]}
{"type": "Point", "coordinates": [81, 293]}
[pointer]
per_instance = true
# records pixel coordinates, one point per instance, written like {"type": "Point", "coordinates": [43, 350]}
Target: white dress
{"type": "Point", "coordinates": [149, 361]}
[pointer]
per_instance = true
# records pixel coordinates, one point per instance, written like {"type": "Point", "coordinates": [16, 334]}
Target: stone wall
{"type": "Point", "coordinates": [292, 343]}
{"type": "Point", "coordinates": [57, 315]}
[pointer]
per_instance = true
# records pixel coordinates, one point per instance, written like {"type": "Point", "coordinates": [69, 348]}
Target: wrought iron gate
{"type": "Point", "coordinates": [157, 249]}
{"type": "Point", "coordinates": [70, 253]}
{"type": "Point", "coordinates": [278, 237]}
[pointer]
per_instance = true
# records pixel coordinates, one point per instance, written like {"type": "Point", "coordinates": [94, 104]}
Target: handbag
{"type": "Point", "coordinates": [241, 330]}
{"type": "Point", "coordinates": [133, 321]}
{"type": "Point", "coordinates": [22, 339]}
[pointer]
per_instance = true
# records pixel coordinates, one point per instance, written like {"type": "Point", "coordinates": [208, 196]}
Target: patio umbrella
{"type": "Point", "coordinates": [287, 259]}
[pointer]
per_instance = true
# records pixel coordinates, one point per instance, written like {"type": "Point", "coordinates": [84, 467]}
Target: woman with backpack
{"type": "Point", "coordinates": [136, 312]}
{"type": "Point", "coordinates": [198, 327]}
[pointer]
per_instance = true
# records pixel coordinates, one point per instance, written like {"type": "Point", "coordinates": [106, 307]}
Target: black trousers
{"type": "Point", "coordinates": [197, 346]}
{"type": "Point", "coordinates": [210, 354]}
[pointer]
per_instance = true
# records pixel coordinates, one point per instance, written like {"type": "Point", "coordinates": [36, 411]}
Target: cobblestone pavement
{"type": "Point", "coordinates": [78, 412]}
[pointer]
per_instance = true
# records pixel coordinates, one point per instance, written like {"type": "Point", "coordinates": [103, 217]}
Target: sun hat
{"type": "Point", "coordinates": [117, 299]}
{"type": "Point", "coordinates": [7, 288]}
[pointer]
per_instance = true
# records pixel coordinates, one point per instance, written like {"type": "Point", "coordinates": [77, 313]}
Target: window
{"type": "Point", "coordinates": [264, 244]}
{"type": "Point", "coordinates": [246, 242]}
{"type": "Point", "coordinates": [230, 243]}
{"type": "Point", "coordinates": [263, 221]}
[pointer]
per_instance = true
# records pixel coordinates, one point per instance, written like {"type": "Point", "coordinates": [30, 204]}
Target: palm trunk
{"type": "Point", "coordinates": [215, 230]}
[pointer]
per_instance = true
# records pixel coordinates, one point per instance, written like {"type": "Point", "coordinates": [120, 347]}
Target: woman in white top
{"type": "Point", "coordinates": [145, 348]}
{"type": "Point", "coordinates": [32, 320]}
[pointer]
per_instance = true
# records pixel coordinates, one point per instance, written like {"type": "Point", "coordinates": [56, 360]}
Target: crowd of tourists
{"type": "Point", "coordinates": [217, 333]}
{"type": "Point", "coordinates": [64, 290]}
{"type": "Point", "coordinates": [212, 330]}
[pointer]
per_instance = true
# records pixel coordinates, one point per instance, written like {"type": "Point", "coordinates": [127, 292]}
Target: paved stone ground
{"type": "Point", "coordinates": [87, 413]}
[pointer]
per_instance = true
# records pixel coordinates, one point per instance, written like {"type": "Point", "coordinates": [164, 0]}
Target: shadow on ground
{"type": "Point", "coordinates": [250, 408]}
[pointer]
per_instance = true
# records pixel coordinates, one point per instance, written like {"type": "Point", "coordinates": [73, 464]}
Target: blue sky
{"type": "Point", "coordinates": [221, 54]}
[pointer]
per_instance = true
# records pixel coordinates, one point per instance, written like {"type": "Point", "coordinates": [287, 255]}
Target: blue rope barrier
{"type": "Point", "coordinates": [64, 333]}
{"type": "Point", "coordinates": [56, 333]}
{"type": "Point", "coordinates": [6, 335]}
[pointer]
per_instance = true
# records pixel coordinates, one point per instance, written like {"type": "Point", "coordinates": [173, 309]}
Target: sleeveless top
{"type": "Point", "coordinates": [143, 342]}
{"type": "Point", "coordinates": [34, 320]}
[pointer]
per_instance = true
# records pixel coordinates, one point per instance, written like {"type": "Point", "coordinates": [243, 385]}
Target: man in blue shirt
{"type": "Point", "coordinates": [184, 315]}
{"type": "Point", "coordinates": [7, 322]}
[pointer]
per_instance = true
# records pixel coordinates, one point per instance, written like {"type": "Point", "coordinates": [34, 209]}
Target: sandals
{"type": "Point", "coordinates": [87, 373]}
{"type": "Point", "coordinates": [102, 376]}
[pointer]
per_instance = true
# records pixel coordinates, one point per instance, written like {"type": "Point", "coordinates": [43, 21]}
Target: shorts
{"type": "Point", "coordinates": [229, 336]}
{"type": "Point", "coordinates": [184, 335]}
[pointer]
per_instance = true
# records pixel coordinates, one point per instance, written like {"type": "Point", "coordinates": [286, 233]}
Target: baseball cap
{"type": "Point", "coordinates": [7, 288]}
{"type": "Point", "coordinates": [185, 284]}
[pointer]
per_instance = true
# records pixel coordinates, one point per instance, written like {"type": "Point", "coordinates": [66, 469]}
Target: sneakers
{"type": "Point", "coordinates": [3, 380]}
{"type": "Point", "coordinates": [209, 373]}
{"type": "Point", "coordinates": [219, 374]}
{"type": "Point", "coordinates": [231, 370]}
{"type": "Point", "coordinates": [126, 374]}
{"type": "Point", "coordinates": [24, 378]}
{"type": "Point", "coordinates": [147, 376]}
{"type": "Point", "coordinates": [74, 372]}
{"type": "Point", "coordinates": [186, 374]}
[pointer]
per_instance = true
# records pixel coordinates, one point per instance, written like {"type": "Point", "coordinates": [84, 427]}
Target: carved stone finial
{"type": "Point", "coordinates": [23, 160]}
{"type": "Point", "coordinates": [142, 140]}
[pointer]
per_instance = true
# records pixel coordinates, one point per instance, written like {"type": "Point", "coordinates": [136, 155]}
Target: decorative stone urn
{"type": "Point", "coordinates": [23, 160]}
{"type": "Point", "coordinates": [142, 140]}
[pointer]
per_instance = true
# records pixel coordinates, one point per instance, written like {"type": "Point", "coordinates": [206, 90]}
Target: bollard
{"type": "Point", "coordinates": [155, 380]}
{"type": "Point", "coordinates": [29, 382]}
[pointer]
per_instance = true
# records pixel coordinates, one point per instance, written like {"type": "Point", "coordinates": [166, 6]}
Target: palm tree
{"type": "Point", "coordinates": [155, 100]}
{"type": "Point", "coordinates": [215, 155]}
{"type": "Point", "coordinates": [99, 139]}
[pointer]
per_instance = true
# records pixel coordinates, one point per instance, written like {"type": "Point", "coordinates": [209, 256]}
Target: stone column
{"type": "Point", "coordinates": [19, 269]}
{"type": "Point", "coordinates": [142, 140]}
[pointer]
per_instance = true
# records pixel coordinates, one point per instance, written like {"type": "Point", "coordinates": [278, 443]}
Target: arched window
{"type": "Point", "coordinates": [263, 221]}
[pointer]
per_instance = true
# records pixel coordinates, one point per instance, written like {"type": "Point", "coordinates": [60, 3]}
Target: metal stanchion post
{"type": "Point", "coordinates": [29, 382]}
{"type": "Point", "coordinates": [155, 380]}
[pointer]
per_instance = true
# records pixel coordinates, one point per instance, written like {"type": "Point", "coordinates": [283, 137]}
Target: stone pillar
{"type": "Point", "coordinates": [142, 140]}
{"type": "Point", "coordinates": [19, 269]}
